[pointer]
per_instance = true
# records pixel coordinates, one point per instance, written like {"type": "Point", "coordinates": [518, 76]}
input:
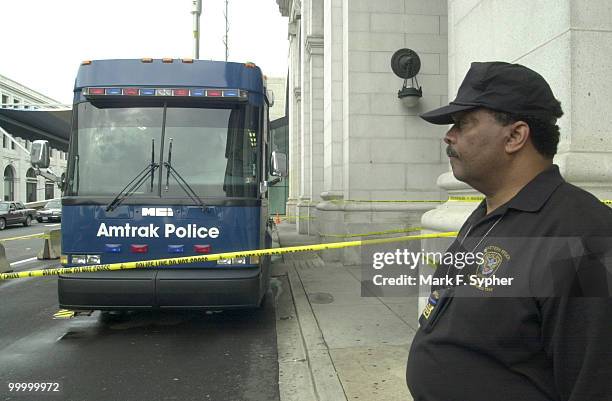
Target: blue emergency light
{"type": "Point", "coordinates": [176, 248]}
{"type": "Point", "coordinates": [112, 248]}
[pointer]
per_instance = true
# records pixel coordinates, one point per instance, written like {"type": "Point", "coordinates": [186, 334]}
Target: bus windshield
{"type": "Point", "coordinates": [213, 149]}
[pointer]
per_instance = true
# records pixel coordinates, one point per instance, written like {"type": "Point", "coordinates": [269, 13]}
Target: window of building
{"type": "Point", "coordinates": [4, 100]}
{"type": "Point", "coordinates": [31, 183]}
{"type": "Point", "coordinates": [16, 103]}
{"type": "Point", "coordinates": [12, 144]}
{"type": "Point", "coordinates": [49, 190]}
{"type": "Point", "coordinates": [9, 183]}
{"type": "Point", "coordinates": [5, 141]}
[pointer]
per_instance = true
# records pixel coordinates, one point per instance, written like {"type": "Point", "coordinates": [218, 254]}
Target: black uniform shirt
{"type": "Point", "coordinates": [540, 338]}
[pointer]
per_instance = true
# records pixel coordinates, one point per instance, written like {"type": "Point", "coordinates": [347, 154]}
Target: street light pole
{"type": "Point", "coordinates": [196, 11]}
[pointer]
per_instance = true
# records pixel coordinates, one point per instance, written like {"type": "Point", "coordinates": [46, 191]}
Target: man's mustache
{"type": "Point", "coordinates": [450, 152]}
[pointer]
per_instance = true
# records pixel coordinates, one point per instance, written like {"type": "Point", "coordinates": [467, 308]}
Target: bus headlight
{"type": "Point", "coordinates": [79, 259]}
{"type": "Point", "coordinates": [93, 259]}
{"type": "Point", "coordinates": [245, 260]}
{"type": "Point", "coordinates": [86, 259]}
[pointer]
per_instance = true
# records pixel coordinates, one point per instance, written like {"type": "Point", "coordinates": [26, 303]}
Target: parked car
{"type": "Point", "coordinates": [15, 213]}
{"type": "Point", "coordinates": [51, 212]}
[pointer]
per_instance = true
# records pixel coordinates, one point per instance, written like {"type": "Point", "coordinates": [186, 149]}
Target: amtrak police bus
{"type": "Point", "coordinates": [167, 158]}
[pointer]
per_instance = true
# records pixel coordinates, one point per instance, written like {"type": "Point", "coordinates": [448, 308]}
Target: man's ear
{"type": "Point", "coordinates": [517, 136]}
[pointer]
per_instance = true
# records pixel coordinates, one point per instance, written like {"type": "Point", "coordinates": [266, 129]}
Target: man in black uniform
{"type": "Point", "coordinates": [548, 335]}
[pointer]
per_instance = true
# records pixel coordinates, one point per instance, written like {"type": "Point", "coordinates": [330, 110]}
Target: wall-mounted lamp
{"type": "Point", "coordinates": [406, 64]}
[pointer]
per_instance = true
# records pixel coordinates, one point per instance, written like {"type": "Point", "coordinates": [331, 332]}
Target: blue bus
{"type": "Point", "coordinates": [167, 158]}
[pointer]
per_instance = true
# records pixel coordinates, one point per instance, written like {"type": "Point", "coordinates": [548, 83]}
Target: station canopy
{"type": "Point", "coordinates": [52, 125]}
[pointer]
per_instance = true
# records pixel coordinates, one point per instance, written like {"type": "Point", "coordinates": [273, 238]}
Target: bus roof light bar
{"type": "Point", "coordinates": [167, 92]}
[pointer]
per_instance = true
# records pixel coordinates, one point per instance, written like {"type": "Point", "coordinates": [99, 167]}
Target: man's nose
{"type": "Point", "coordinates": [449, 138]}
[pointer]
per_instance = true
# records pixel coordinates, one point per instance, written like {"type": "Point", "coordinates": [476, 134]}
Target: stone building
{"type": "Point", "coordinates": [278, 86]}
{"type": "Point", "coordinates": [20, 182]}
{"type": "Point", "coordinates": [356, 152]}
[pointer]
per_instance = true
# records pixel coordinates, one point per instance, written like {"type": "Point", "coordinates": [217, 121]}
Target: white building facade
{"type": "Point", "coordinates": [358, 156]}
{"type": "Point", "coordinates": [357, 153]}
{"type": "Point", "coordinates": [20, 182]}
{"type": "Point", "coordinates": [278, 86]}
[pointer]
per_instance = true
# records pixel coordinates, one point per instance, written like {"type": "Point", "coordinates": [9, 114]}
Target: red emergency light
{"type": "Point", "coordinates": [181, 92]}
{"type": "Point", "coordinates": [202, 248]}
{"type": "Point", "coordinates": [137, 248]}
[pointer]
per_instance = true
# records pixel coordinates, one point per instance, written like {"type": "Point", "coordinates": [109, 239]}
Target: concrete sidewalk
{"type": "Point", "coordinates": [334, 344]}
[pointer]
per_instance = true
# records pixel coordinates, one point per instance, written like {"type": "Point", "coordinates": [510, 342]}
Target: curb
{"type": "Point", "coordinates": [327, 386]}
{"type": "Point", "coordinates": [303, 354]}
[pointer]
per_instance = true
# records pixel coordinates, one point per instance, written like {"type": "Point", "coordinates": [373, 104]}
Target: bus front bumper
{"type": "Point", "coordinates": [149, 289]}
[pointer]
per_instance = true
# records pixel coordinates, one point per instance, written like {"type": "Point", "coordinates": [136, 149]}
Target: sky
{"type": "Point", "coordinates": [44, 41]}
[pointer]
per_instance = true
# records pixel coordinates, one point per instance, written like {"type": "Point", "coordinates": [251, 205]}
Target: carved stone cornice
{"type": "Point", "coordinates": [293, 28]}
{"type": "Point", "coordinates": [284, 6]}
{"type": "Point", "coordinates": [314, 44]}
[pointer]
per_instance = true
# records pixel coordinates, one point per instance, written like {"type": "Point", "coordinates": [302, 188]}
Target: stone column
{"type": "Point", "coordinates": [294, 119]}
{"type": "Point", "coordinates": [315, 53]}
{"type": "Point", "coordinates": [312, 114]}
{"type": "Point", "coordinates": [329, 211]}
{"type": "Point", "coordinates": [303, 205]}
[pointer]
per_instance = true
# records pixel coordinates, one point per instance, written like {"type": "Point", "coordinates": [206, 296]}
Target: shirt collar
{"type": "Point", "coordinates": [530, 198]}
{"type": "Point", "coordinates": [535, 194]}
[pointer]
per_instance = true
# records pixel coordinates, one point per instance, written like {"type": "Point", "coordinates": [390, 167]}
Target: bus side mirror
{"type": "Point", "coordinates": [279, 164]}
{"type": "Point", "coordinates": [39, 155]}
{"type": "Point", "coordinates": [62, 182]}
{"type": "Point", "coordinates": [270, 96]}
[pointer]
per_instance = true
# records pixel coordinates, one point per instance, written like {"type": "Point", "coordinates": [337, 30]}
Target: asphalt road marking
{"type": "Point", "coordinates": [53, 225]}
{"type": "Point", "coordinates": [24, 261]}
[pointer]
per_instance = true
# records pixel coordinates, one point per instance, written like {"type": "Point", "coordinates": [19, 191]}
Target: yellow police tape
{"type": "Point", "coordinates": [291, 217]}
{"type": "Point", "coordinates": [210, 258]}
{"type": "Point", "coordinates": [398, 231]}
{"type": "Point", "coordinates": [450, 199]}
{"type": "Point", "coordinates": [42, 235]}
{"type": "Point", "coordinates": [63, 314]}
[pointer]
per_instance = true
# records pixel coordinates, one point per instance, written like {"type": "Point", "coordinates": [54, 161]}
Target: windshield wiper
{"type": "Point", "coordinates": [137, 182]}
{"type": "Point", "coordinates": [182, 183]}
{"type": "Point", "coordinates": [77, 173]}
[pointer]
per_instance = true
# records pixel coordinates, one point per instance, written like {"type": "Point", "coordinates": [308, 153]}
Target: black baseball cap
{"type": "Point", "coordinates": [511, 88]}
